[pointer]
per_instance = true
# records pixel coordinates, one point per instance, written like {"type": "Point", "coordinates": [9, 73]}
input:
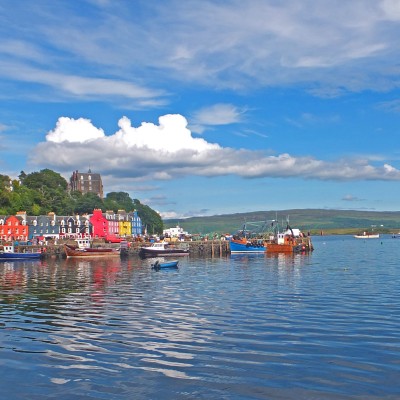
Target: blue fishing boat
{"type": "Point", "coordinates": [244, 245]}
{"type": "Point", "coordinates": [165, 264]}
{"type": "Point", "coordinates": [8, 253]}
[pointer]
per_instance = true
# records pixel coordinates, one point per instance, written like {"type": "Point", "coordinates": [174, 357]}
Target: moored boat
{"type": "Point", "coordinates": [162, 249]}
{"type": "Point", "coordinates": [244, 245]}
{"type": "Point", "coordinates": [367, 235]}
{"type": "Point", "coordinates": [165, 264]}
{"type": "Point", "coordinates": [7, 253]}
{"type": "Point", "coordinates": [290, 241]}
{"type": "Point", "coordinates": [72, 251]}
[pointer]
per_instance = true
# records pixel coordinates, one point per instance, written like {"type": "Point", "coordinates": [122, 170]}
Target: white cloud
{"type": "Point", "coordinates": [217, 114]}
{"type": "Point", "coordinates": [74, 130]}
{"type": "Point", "coordinates": [168, 150]}
{"type": "Point", "coordinates": [236, 44]}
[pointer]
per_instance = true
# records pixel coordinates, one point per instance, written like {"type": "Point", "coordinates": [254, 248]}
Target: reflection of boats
{"type": "Point", "coordinates": [7, 252]}
{"type": "Point", "coordinates": [244, 245]}
{"type": "Point", "coordinates": [162, 249]}
{"type": "Point", "coordinates": [367, 235]}
{"type": "Point", "coordinates": [165, 264]}
{"type": "Point", "coordinates": [72, 251]}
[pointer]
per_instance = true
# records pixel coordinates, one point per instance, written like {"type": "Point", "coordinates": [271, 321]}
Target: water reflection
{"type": "Point", "coordinates": [247, 326]}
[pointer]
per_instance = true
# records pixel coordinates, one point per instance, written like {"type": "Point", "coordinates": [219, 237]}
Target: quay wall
{"type": "Point", "coordinates": [208, 248]}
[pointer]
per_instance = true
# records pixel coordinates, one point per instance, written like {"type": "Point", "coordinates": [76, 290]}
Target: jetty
{"type": "Point", "coordinates": [207, 248]}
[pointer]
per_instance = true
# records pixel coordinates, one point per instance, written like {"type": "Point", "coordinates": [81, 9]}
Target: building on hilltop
{"type": "Point", "coordinates": [86, 183]}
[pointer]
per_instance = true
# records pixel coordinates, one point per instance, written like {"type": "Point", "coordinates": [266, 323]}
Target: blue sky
{"type": "Point", "coordinates": [207, 107]}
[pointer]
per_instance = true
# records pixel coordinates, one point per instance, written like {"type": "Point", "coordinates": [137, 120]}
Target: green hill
{"type": "Point", "coordinates": [313, 220]}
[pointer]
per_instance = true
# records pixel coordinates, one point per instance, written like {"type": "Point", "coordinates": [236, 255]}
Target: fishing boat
{"type": "Point", "coordinates": [367, 235]}
{"type": "Point", "coordinates": [165, 264]}
{"type": "Point", "coordinates": [244, 245]}
{"type": "Point", "coordinates": [165, 249]}
{"type": "Point", "coordinates": [292, 240]}
{"type": "Point", "coordinates": [249, 239]}
{"type": "Point", "coordinates": [73, 251]}
{"type": "Point", "coordinates": [287, 243]}
{"type": "Point", "coordinates": [7, 253]}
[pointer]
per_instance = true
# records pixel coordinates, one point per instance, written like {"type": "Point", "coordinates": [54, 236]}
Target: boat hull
{"type": "Point", "coordinates": [165, 264]}
{"type": "Point", "coordinates": [90, 253]}
{"type": "Point", "coordinates": [149, 252]}
{"type": "Point", "coordinates": [20, 256]}
{"type": "Point", "coordinates": [240, 246]}
{"type": "Point", "coordinates": [285, 248]}
{"type": "Point", "coordinates": [374, 236]}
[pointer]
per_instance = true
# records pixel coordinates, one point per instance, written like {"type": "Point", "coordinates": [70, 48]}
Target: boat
{"type": "Point", "coordinates": [7, 253]}
{"type": "Point", "coordinates": [165, 264]}
{"type": "Point", "coordinates": [289, 241]}
{"type": "Point", "coordinates": [245, 245]}
{"type": "Point", "coordinates": [166, 249]}
{"type": "Point", "coordinates": [73, 251]}
{"type": "Point", "coordinates": [367, 235]}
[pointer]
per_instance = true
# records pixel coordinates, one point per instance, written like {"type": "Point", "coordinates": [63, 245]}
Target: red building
{"type": "Point", "coordinates": [104, 225]}
{"type": "Point", "coordinates": [14, 228]}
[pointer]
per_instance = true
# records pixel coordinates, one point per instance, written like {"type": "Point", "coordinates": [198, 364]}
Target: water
{"type": "Point", "coordinates": [318, 326]}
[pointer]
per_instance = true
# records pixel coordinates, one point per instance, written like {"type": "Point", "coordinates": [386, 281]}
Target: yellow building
{"type": "Point", "coordinates": [125, 228]}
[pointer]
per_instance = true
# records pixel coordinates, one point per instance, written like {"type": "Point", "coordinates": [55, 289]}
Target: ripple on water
{"type": "Point", "coordinates": [321, 326]}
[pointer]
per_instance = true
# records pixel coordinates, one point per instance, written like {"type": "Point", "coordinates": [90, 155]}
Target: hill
{"type": "Point", "coordinates": [313, 220]}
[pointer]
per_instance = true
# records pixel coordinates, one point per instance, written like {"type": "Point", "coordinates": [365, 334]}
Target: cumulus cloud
{"type": "Point", "coordinates": [74, 130]}
{"type": "Point", "coordinates": [168, 150]}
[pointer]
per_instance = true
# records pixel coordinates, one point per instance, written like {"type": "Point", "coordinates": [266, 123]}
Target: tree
{"type": "Point", "coordinates": [118, 201]}
{"type": "Point", "coordinates": [150, 218]}
{"type": "Point", "coordinates": [87, 203]}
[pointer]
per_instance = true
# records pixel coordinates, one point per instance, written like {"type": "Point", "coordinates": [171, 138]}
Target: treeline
{"type": "Point", "coordinates": [39, 193]}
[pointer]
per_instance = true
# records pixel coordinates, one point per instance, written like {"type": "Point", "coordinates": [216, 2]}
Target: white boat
{"type": "Point", "coordinates": [163, 249]}
{"type": "Point", "coordinates": [367, 235]}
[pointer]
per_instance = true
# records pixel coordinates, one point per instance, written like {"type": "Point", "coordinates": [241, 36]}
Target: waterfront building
{"type": "Point", "coordinates": [14, 227]}
{"type": "Point", "coordinates": [43, 226]}
{"type": "Point", "coordinates": [136, 224]}
{"type": "Point", "coordinates": [124, 224]}
{"type": "Point", "coordinates": [176, 232]}
{"type": "Point", "coordinates": [86, 183]}
{"type": "Point", "coordinates": [99, 224]}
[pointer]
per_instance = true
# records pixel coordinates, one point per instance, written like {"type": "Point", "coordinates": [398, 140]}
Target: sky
{"type": "Point", "coordinates": [206, 107]}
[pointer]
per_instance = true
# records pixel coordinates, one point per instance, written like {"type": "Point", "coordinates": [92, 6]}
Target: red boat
{"type": "Point", "coordinates": [72, 251]}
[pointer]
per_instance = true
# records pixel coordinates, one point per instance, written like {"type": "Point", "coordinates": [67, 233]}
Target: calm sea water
{"type": "Point", "coordinates": [319, 326]}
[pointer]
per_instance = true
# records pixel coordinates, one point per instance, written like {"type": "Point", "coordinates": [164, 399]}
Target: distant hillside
{"type": "Point", "coordinates": [314, 220]}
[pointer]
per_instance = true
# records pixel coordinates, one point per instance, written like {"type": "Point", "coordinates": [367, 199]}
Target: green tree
{"type": "Point", "coordinates": [150, 218]}
{"type": "Point", "coordinates": [118, 201]}
{"type": "Point", "coordinates": [87, 203]}
{"type": "Point", "coordinates": [5, 196]}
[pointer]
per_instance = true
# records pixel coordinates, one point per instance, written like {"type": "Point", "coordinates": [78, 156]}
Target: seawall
{"type": "Point", "coordinates": [208, 248]}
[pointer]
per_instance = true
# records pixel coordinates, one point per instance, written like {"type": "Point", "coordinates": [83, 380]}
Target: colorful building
{"type": "Point", "coordinates": [14, 227]}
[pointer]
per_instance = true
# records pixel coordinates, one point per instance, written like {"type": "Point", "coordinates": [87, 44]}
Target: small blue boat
{"type": "Point", "coordinates": [166, 264]}
{"type": "Point", "coordinates": [7, 253]}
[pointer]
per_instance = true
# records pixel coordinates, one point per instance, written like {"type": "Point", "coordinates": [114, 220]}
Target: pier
{"type": "Point", "coordinates": [209, 248]}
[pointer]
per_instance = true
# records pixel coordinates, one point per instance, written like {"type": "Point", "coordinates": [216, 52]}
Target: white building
{"type": "Point", "coordinates": [177, 232]}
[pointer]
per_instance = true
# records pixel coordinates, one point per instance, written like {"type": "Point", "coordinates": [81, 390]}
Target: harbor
{"type": "Point", "coordinates": [319, 325]}
{"type": "Point", "coordinates": [207, 248]}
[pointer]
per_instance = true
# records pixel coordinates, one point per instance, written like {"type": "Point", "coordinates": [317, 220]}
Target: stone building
{"type": "Point", "coordinates": [86, 183]}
